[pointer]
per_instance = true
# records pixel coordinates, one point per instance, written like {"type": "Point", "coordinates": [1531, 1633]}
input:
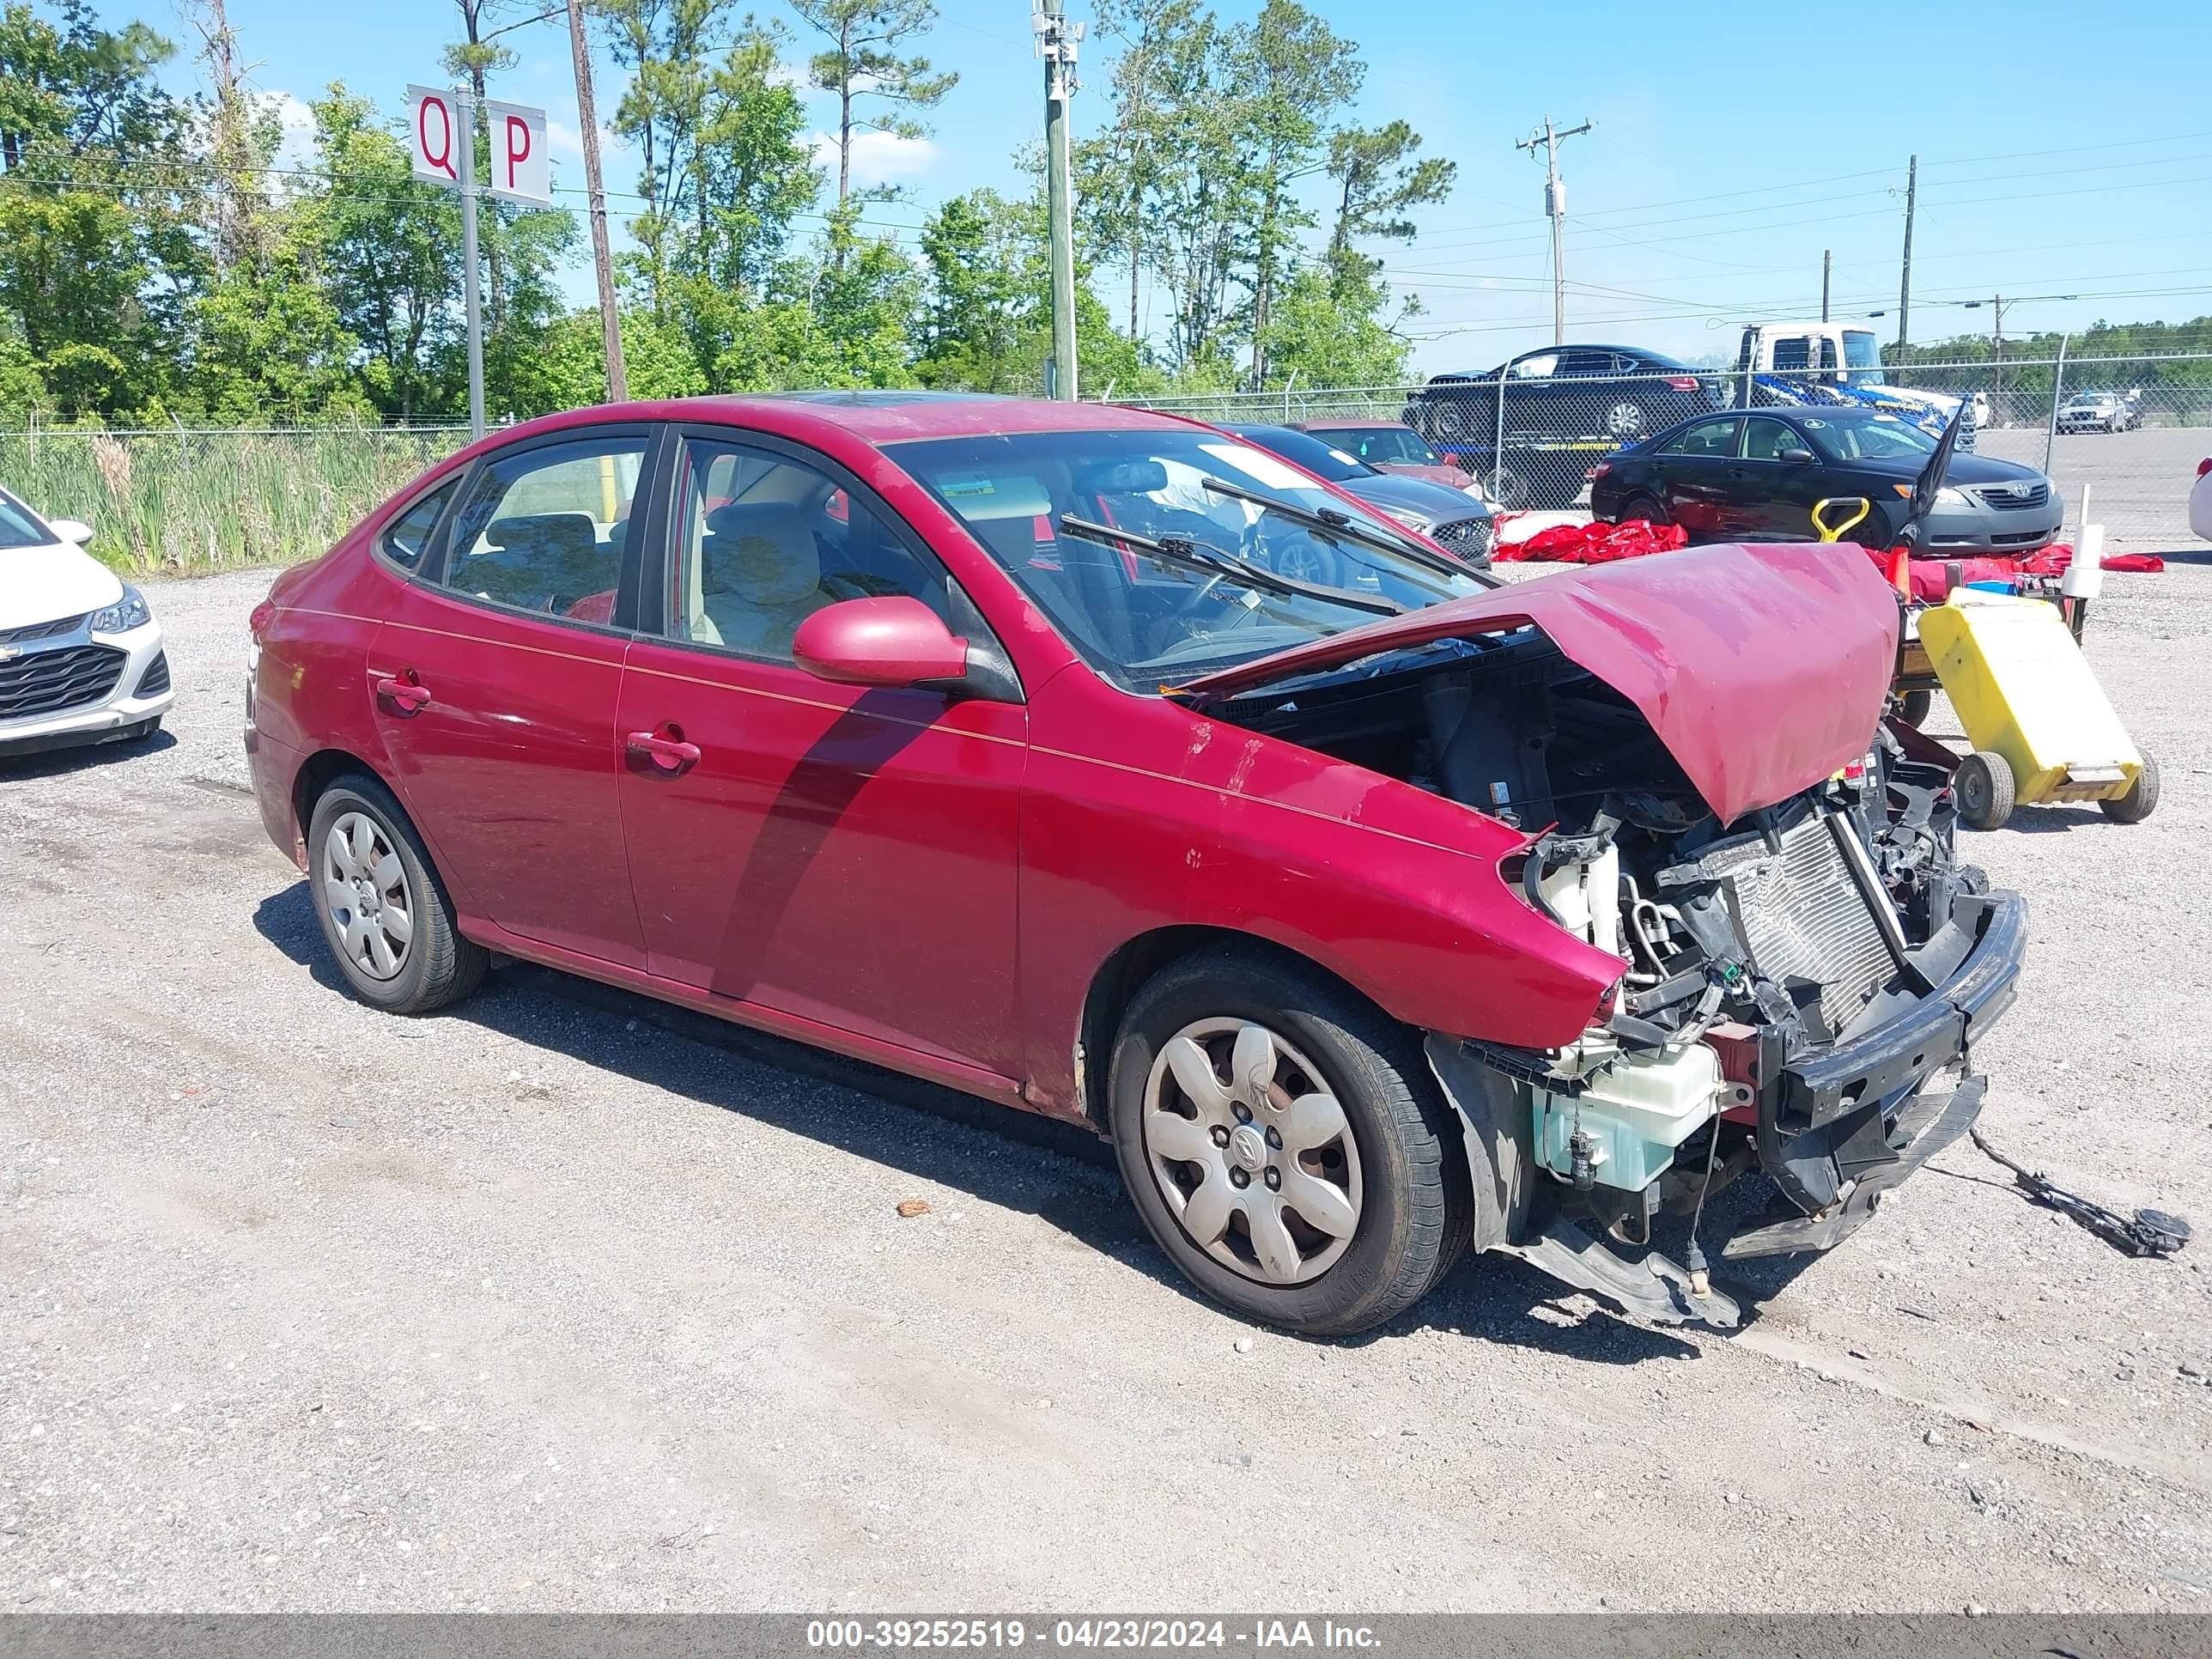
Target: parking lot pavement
{"type": "Point", "coordinates": [2138, 481]}
{"type": "Point", "coordinates": [549, 1303]}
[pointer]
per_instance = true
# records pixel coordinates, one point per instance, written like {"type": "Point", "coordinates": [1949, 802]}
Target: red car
{"type": "Point", "coordinates": [985, 739]}
{"type": "Point", "coordinates": [1390, 446]}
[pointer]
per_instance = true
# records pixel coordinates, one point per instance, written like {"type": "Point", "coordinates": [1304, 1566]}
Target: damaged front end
{"type": "Point", "coordinates": [1799, 975]}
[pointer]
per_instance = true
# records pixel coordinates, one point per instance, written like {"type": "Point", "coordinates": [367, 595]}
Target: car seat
{"type": "Point", "coordinates": [759, 576]}
{"type": "Point", "coordinates": [541, 561]}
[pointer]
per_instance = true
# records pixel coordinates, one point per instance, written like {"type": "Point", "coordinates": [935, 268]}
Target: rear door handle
{"type": "Point", "coordinates": [673, 753]}
{"type": "Point", "coordinates": [407, 694]}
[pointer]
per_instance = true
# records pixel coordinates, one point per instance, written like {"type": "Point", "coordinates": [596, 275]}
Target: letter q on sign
{"type": "Point", "coordinates": [521, 170]}
{"type": "Point", "coordinates": [433, 128]}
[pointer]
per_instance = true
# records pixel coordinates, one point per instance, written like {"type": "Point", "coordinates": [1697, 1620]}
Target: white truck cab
{"type": "Point", "coordinates": [1843, 355]}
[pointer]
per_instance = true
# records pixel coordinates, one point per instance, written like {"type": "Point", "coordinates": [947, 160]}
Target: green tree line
{"type": "Point", "coordinates": [158, 266]}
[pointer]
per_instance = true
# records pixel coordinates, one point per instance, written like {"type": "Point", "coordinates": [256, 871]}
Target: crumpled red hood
{"type": "Point", "coordinates": [1762, 669]}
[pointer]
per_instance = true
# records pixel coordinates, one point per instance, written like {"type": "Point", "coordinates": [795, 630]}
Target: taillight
{"type": "Point", "coordinates": [2205, 466]}
{"type": "Point", "coordinates": [1683, 382]}
{"type": "Point", "coordinates": [1600, 470]}
{"type": "Point", "coordinates": [257, 623]}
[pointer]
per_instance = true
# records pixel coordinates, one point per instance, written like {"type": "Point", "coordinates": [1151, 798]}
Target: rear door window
{"type": "Point", "coordinates": [1710, 439]}
{"type": "Point", "coordinates": [545, 528]}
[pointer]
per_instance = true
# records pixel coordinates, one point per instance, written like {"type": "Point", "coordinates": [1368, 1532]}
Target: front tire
{"type": "Point", "coordinates": [383, 913]}
{"type": "Point", "coordinates": [1284, 1144]}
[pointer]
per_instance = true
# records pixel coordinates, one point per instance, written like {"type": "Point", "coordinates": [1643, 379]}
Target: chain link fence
{"type": "Point", "coordinates": [2128, 430]}
{"type": "Point", "coordinates": [179, 500]}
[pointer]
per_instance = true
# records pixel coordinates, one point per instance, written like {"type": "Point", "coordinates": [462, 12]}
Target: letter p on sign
{"type": "Point", "coordinates": [521, 168]}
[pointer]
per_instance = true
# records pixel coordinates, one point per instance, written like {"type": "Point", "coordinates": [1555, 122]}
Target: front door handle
{"type": "Point", "coordinates": [409, 696]}
{"type": "Point", "coordinates": [670, 754]}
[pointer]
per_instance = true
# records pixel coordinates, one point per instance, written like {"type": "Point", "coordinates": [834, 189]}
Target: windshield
{"type": "Point", "coordinates": [1862, 358]}
{"type": "Point", "coordinates": [1144, 622]}
{"type": "Point", "coordinates": [1323, 460]}
{"type": "Point", "coordinates": [1372, 444]}
{"type": "Point", "coordinates": [1885, 437]}
{"type": "Point", "coordinates": [20, 527]}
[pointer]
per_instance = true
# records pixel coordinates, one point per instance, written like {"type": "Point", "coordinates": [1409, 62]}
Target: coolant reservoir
{"type": "Point", "coordinates": [1635, 1111]}
{"type": "Point", "coordinates": [1586, 899]}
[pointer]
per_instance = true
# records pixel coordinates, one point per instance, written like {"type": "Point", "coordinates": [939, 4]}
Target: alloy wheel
{"type": "Point", "coordinates": [364, 891]}
{"type": "Point", "coordinates": [1252, 1151]}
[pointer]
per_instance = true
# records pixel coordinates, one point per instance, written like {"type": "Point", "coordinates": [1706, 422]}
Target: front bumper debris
{"type": "Point", "coordinates": [1926, 1128]}
{"type": "Point", "coordinates": [1833, 1120]}
{"type": "Point", "coordinates": [1838, 1126]}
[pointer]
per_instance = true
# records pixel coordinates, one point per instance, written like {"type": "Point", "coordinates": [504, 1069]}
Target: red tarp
{"type": "Point", "coordinates": [1602, 543]}
{"type": "Point", "coordinates": [1590, 544]}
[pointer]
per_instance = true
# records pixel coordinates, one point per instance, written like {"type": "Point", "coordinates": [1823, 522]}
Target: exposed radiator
{"type": "Point", "coordinates": [1804, 917]}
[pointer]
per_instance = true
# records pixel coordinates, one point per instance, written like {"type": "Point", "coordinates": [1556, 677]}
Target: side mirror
{"type": "Point", "coordinates": [892, 641]}
{"type": "Point", "coordinates": [70, 530]}
{"type": "Point", "coordinates": [1801, 456]}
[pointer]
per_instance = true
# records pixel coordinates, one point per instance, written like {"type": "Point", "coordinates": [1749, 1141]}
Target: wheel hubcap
{"type": "Point", "coordinates": [364, 891]}
{"type": "Point", "coordinates": [1252, 1152]}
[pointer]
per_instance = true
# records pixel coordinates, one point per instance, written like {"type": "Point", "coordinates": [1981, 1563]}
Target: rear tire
{"type": "Point", "coordinates": [1393, 1163]}
{"type": "Point", "coordinates": [2142, 795]}
{"type": "Point", "coordinates": [385, 913]}
{"type": "Point", "coordinates": [1643, 509]}
{"type": "Point", "coordinates": [1985, 785]}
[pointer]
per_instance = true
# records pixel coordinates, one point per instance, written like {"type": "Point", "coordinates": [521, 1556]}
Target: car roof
{"type": "Point", "coordinates": [1351, 423]}
{"type": "Point", "coordinates": [874, 417]}
{"type": "Point", "coordinates": [1657, 359]}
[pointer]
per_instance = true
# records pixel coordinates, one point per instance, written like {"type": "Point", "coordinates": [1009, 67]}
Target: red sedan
{"type": "Point", "coordinates": [991, 741]}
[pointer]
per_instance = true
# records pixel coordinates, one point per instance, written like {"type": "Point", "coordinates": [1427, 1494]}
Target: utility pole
{"type": "Point", "coordinates": [1056, 40]}
{"type": "Point", "coordinates": [1997, 351]}
{"type": "Point", "coordinates": [587, 119]}
{"type": "Point", "coordinates": [471, 300]}
{"type": "Point", "coordinates": [1555, 209]}
{"type": "Point", "coordinates": [1904, 277]}
{"type": "Point", "coordinates": [1827, 264]}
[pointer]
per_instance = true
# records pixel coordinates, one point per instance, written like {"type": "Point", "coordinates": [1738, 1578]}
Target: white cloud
{"type": "Point", "coordinates": [793, 76]}
{"type": "Point", "coordinates": [878, 158]}
{"type": "Point", "coordinates": [296, 148]}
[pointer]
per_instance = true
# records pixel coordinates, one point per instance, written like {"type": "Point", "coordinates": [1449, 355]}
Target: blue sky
{"type": "Point", "coordinates": [2063, 150]}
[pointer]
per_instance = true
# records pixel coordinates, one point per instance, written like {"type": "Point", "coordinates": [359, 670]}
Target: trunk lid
{"type": "Point", "coordinates": [1762, 669]}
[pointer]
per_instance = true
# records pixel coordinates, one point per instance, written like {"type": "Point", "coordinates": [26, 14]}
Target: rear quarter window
{"type": "Point", "coordinates": [407, 538]}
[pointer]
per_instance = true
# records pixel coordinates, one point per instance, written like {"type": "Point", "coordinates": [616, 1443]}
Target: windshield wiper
{"type": "Point", "coordinates": [1197, 556]}
{"type": "Point", "coordinates": [1329, 521]}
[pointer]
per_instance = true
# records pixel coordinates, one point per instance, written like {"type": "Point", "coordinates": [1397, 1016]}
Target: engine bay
{"type": "Point", "coordinates": [1750, 947]}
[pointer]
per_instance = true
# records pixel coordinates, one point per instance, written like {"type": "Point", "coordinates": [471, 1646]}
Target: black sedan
{"type": "Point", "coordinates": [1756, 478]}
{"type": "Point", "coordinates": [1460, 521]}
{"type": "Point", "coordinates": [1561, 405]}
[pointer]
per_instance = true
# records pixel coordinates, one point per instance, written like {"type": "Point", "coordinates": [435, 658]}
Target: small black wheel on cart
{"type": "Point", "coordinates": [2142, 794]}
{"type": "Point", "coordinates": [1913, 706]}
{"type": "Point", "coordinates": [1985, 784]}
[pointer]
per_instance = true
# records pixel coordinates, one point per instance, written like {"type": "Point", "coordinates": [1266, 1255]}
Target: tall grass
{"type": "Point", "coordinates": [191, 502]}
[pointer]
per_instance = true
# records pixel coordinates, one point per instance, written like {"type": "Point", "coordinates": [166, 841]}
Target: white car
{"type": "Point", "coordinates": [81, 658]}
{"type": "Point", "coordinates": [2200, 501]}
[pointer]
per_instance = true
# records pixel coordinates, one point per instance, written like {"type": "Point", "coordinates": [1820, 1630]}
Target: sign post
{"type": "Point", "coordinates": [442, 127]}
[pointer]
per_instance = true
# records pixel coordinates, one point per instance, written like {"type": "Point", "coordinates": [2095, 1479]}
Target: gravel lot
{"type": "Point", "coordinates": [563, 1302]}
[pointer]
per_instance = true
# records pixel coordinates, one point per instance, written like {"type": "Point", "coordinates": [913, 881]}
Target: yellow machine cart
{"type": "Point", "coordinates": [2042, 728]}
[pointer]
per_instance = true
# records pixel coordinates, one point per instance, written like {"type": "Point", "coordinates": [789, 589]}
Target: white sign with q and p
{"type": "Point", "coordinates": [521, 168]}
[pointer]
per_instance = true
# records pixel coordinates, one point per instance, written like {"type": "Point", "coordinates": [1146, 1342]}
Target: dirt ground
{"type": "Point", "coordinates": [560, 1301]}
